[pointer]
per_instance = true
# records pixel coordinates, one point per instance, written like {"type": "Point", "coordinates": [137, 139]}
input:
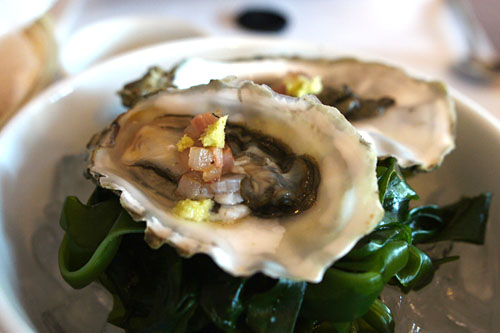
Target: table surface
{"type": "Point", "coordinates": [422, 34]}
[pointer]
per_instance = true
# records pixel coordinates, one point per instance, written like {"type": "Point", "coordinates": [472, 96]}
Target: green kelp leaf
{"type": "Point", "coordinates": [341, 296]}
{"type": "Point", "coordinates": [350, 287]}
{"type": "Point", "coordinates": [86, 226]}
{"type": "Point", "coordinates": [424, 222]}
{"type": "Point", "coordinates": [350, 327]}
{"type": "Point", "coordinates": [159, 291]}
{"type": "Point", "coordinates": [438, 262]}
{"type": "Point", "coordinates": [200, 322]}
{"type": "Point", "coordinates": [151, 291]}
{"type": "Point", "coordinates": [463, 221]}
{"type": "Point", "coordinates": [93, 235]}
{"type": "Point", "coordinates": [395, 193]}
{"type": "Point", "coordinates": [221, 298]}
{"type": "Point", "coordinates": [377, 239]}
{"type": "Point", "coordinates": [277, 309]}
{"type": "Point", "coordinates": [100, 195]}
{"type": "Point", "coordinates": [386, 261]}
{"type": "Point", "coordinates": [378, 319]}
{"type": "Point", "coordinates": [325, 327]}
{"type": "Point", "coordinates": [418, 272]}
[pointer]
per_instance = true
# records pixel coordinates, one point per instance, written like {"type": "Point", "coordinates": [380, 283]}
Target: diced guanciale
{"type": "Point", "coordinates": [200, 158]}
{"type": "Point", "coordinates": [198, 124]}
{"type": "Point", "coordinates": [227, 184]}
{"type": "Point", "coordinates": [228, 160]}
{"type": "Point", "coordinates": [192, 186]}
{"type": "Point", "coordinates": [217, 154]}
{"type": "Point", "coordinates": [211, 174]}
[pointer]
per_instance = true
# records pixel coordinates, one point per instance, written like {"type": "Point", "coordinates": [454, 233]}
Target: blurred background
{"type": "Point", "coordinates": [456, 41]}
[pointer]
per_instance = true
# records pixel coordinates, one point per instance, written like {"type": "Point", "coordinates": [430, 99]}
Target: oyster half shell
{"type": "Point", "coordinates": [300, 246]}
{"type": "Point", "coordinates": [419, 130]}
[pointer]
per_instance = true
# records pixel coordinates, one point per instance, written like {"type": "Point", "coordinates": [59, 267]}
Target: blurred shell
{"type": "Point", "coordinates": [419, 130]}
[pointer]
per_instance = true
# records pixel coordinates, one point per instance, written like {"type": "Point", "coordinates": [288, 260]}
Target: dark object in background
{"type": "Point", "coordinates": [265, 20]}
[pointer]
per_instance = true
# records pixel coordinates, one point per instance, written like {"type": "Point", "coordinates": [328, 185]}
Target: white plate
{"type": "Point", "coordinates": [34, 181]}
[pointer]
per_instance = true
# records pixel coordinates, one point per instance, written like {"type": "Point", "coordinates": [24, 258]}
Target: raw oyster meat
{"type": "Point", "coordinates": [299, 245]}
{"type": "Point", "coordinates": [418, 128]}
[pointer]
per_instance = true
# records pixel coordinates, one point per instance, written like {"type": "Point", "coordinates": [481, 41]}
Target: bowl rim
{"type": "Point", "coordinates": [14, 318]}
{"type": "Point", "coordinates": [99, 53]}
{"type": "Point", "coordinates": [67, 85]}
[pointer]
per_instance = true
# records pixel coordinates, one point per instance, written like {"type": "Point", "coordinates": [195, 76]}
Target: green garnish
{"type": "Point", "coordinates": [157, 290]}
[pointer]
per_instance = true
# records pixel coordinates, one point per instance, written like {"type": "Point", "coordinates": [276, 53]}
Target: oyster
{"type": "Point", "coordinates": [136, 157]}
{"type": "Point", "coordinates": [415, 121]}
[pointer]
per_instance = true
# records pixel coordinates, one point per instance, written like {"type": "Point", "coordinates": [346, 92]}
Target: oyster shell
{"type": "Point", "coordinates": [419, 129]}
{"type": "Point", "coordinates": [298, 246]}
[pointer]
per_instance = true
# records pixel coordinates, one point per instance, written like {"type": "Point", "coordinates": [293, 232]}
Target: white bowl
{"type": "Point", "coordinates": [104, 39]}
{"type": "Point", "coordinates": [36, 174]}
